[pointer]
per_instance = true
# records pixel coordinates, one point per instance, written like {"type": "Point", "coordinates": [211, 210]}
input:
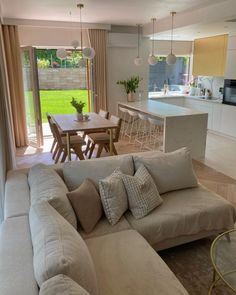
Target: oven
{"type": "Point", "coordinates": [229, 96]}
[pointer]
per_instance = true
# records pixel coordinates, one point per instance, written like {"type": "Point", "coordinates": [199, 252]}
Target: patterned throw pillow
{"type": "Point", "coordinates": [113, 196]}
{"type": "Point", "coordinates": [143, 195]}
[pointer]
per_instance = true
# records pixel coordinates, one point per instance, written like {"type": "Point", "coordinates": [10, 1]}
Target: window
{"type": "Point", "coordinates": [176, 76]}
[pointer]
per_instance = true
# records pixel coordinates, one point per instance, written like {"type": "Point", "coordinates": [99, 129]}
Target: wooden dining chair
{"type": "Point", "coordinates": [54, 148]}
{"type": "Point", "coordinates": [76, 143]}
{"type": "Point", "coordinates": [103, 114]}
{"type": "Point", "coordinates": [102, 139]}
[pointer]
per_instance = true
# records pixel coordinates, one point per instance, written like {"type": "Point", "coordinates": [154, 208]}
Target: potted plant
{"type": "Point", "coordinates": [130, 86]}
{"type": "Point", "coordinates": [79, 108]}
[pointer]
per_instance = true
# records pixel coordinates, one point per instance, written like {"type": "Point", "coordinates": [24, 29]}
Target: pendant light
{"type": "Point", "coordinates": [82, 62]}
{"type": "Point", "coordinates": [152, 60]}
{"type": "Point", "coordinates": [138, 60]}
{"type": "Point", "coordinates": [171, 58]}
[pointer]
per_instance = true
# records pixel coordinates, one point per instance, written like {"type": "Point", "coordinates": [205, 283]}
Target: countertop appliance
{"type": "Point", "coordinates": [229, 96]}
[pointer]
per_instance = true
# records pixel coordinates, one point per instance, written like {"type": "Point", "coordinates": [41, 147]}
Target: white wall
{"type": "Point", "coordinates": [122, 51]}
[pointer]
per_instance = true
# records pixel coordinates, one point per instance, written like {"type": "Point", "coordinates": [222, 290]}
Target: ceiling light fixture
{"type": "Point", "coordinates": [152, 60]}
{"type": "Point", "coordinates": [171, 58]}
{"type": "Point", "coordinates": [138, 60]}
{"type": "Point", "coordinates": [87, 52]}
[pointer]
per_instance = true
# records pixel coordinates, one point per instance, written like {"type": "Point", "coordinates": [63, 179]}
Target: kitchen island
{"type": "Point", "coordinates": [182, 126]}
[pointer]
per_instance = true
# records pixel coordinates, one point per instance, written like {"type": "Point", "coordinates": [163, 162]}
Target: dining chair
{"type": "Point", "coordinates": [103, 114]}
{"type": "Point", "coordinates": [76, 143]}
{"type": "Point", "coordinates": [102, 139]}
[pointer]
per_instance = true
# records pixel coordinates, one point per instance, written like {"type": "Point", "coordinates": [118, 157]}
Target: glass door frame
{"type": "Point", "coordinates": [36, 94]}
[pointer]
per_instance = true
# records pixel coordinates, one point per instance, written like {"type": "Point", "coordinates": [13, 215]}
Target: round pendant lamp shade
{"type": "Point", "coordinates": [75, 44]}
{"type": "Point", "coordinates": [61, 53]}
{"type": "Point", "coordinates": [152, 60]}
{"type": "Point", "coordinates": [89, 52]}
{"type": "Point", "coordinates": [171, 59]}
{"type": "Point", "coordinates": [138, 61]}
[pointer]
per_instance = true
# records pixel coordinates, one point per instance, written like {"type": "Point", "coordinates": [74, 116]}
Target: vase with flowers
{"type": "Point", "coordinates": [79, 108]}
{"type": "Point", "coordinates": [130, 86]}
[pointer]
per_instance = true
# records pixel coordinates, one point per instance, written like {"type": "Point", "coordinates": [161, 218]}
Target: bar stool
{"type": "Point", "coordinates": [123, 113]}
{"type": "Point", "coordinates": [155, 137]}
{"type": "Point", "coordinates": [132, 125]}
{"type": "Point", "coordinates": [143, 130]}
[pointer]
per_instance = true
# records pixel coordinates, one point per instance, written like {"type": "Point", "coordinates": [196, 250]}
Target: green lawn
{"type": "Point", "coordinates": [58, 101]}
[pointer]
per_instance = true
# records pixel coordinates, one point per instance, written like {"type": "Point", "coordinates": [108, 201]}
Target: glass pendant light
{"type": "Point", "coordinates": [138, 60]}
{"type": "Point", "coordinates": [171, 58]}
{"type": "Point", "coordinates": [152, 60]}
{"type": "Point", "coordinates": [82, 62]}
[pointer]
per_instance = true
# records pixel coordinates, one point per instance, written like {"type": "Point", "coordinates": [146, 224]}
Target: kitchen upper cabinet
{"type": "Point", "coordinates": [209, 56]}
{"type": "Point", "coordinates": [230, 70]}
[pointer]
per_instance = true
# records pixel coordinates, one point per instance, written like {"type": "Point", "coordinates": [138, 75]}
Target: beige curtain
{"type": "Point", "coordinates": [15, 79]}
{"type": "Point", "coordinates": [98, 40]}
{"type": "Point", "coordinates": [7, 145]}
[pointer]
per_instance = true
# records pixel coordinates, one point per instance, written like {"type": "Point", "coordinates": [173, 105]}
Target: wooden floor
{"type": "Point", "coordinates": [209, 177]}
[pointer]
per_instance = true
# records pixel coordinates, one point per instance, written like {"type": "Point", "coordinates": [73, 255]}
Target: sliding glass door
{"type": "Point", "coordinates": [32, 99]}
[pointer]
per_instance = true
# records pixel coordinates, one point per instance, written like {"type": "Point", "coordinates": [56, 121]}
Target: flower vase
{"type": "Point", "coordinates": [79, 116]}
{"type": "Point", "coordinates": [131, 96]}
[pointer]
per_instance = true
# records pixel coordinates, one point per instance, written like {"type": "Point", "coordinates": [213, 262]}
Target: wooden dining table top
{"type": "Point", "coordinates": [69, 123]}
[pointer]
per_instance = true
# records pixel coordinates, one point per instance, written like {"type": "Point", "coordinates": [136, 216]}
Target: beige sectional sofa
{"type": "Point", "coordinates": [123, 256]}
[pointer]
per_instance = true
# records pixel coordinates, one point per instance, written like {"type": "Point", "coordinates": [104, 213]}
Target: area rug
{"type": "Point", "coordinates": [191, 264]}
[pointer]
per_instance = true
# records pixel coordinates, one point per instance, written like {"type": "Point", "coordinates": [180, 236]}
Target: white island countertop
{"type": "Point", "coordinates": [183, 127]}
{"type": "Point", "coordinates": [160, 109]}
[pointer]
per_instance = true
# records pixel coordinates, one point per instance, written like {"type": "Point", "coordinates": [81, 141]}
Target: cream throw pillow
{"type": "Point", "coordinates": [46, 184]}
{"type": "Point", "coordinates": [142, 193]}
{"type": "Point", "coordinates": [59, 249]}
{"type": "Point", "coordinates": [170, 171]}
{"type": "Point", "coordinates": [87, 205]}
{"type": "Point", "coordinates": [113, 196]}
{"type": "Point", "coordinates": [61, 285]}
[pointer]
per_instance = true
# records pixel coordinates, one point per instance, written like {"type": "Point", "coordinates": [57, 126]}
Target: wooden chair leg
{"type": "Point", "coordinates": [63, 157]}
{"type": "Point", "coordinates": [106, 146]}
{"type": "Point", "coordinates": [114, 149]}
{"type": "Point", "coordinates": [53, 145]}
{"type": "Point", "coordinates": [91, 150]}
{"type": "Point", "coordinates": [60, 150]}
{"type": "Point", "coordinates": [55, 151]}
{"type": "Point", "coordinates": [100, 148]}
{"type": "Point", "coordinates": [87, 147]}
{"type": "Point", "coordinates": [78, 152]}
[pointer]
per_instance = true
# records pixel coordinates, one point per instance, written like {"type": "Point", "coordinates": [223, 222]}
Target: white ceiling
{"type": "Point", "coordinates": [119, 12]}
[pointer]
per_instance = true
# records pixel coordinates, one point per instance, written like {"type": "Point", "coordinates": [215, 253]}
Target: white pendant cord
{"type": "Point", "coordinates": [172, 28]}
{"type": "Point", "coordinates": [153, 20]}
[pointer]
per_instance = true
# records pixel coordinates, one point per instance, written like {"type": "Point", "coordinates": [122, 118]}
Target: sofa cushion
{"type": "Point", "coordinates": [16, 258]}
{"type": "Point", "coordinates": [104, 227]}
{"type": "Point", "coordinates": [59, 249]}
{"type": "Point", "coordinates": [15, 204]}
{"type": "Point", "coordinates": [113, 196]}
{"type": "Point", "coordinates": [126, 264]}
{"type": "Point", "coordinates": [185, 212]}
{"type": "Point", "coordinates": [61, 285]}
{"type": "Point", "coordinates": [87, 205]}
{"type": "Point", "coordinates": [170, 171]}
{"type": "Point", "coordinates": [76, 172]}
{"type": "Point", "coordinates": [46, 184]}
{"type": "Point", "coordinates": [142, 193]}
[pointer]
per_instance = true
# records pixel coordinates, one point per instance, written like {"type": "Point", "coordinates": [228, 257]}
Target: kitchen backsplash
{"type": "Point", "coordinates": [211, 83]}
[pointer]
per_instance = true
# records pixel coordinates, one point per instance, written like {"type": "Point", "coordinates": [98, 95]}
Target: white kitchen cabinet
{"type": "Point", "coordinates": [216, 116]}
{"type": "Point", "coordinates": [200, 106]}
{"type": "Point", "coordinates": [228, 120]}
{"type": "Point", "coordinates": [230, 71]}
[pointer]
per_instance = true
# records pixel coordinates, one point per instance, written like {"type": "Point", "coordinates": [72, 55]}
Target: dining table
{"type": "Point", "coordinates": [68, 124]}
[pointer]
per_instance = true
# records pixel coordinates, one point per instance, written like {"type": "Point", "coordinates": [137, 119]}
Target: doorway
{"type": "Point", "coordinates": [57, 82]}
